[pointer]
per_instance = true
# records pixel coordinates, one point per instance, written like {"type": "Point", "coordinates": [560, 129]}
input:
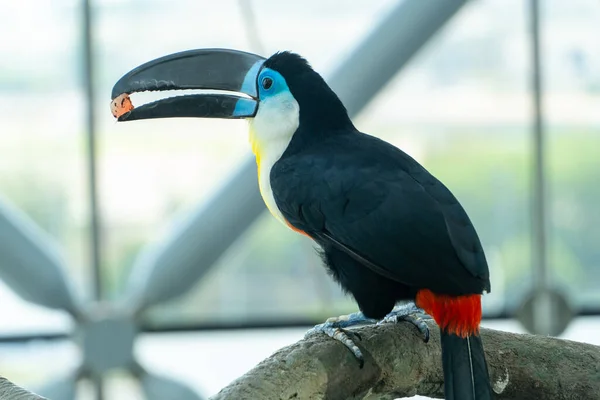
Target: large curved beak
{"type": "Point", "coordinates": [209, 69]}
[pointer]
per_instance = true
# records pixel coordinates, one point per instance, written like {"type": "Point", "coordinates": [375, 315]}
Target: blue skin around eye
{"type": "Point", "coordinates": [247, 107]}
{"type": "Point", "coordinates": [279, 85]}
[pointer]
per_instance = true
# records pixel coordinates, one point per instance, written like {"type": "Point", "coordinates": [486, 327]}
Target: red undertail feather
{"type": "Point", "coordinates": [459, 315]}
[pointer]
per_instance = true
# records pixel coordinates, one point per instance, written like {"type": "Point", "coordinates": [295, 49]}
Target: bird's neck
{"type": "Point", "coordinates": [267, 150]}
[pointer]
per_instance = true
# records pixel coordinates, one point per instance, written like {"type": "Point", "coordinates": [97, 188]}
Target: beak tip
{"type": "Point", "coordinates": [121, 105]}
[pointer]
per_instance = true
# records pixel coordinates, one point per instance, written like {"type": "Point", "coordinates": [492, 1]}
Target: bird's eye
{"type": "Point", "coordinates": [267, 83]}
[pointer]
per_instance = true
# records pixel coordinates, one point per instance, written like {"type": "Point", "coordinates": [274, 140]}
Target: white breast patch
{"type": "Point", "coordinates": [271, 131]}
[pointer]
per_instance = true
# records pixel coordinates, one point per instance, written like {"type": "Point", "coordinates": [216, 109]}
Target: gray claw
{"type": "Point", "coordinates": [334, 328]}
{"type": "Point", "coordinates": [412, 314]}
{"type": "Point", "coordinates": [341, 335]}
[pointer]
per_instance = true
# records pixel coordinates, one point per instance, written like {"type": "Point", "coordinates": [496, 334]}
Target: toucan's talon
{"type": "Point", "coordinates": [346, 321]}
{"type": "Point", "coordinates": [342, 335]}
{"type": "Point", "coordinates": [412, 314]}
{"type": "Point", "coordinates": [335, 328]}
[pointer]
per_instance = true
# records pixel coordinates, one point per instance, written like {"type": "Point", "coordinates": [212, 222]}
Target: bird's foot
{"type": "Point", "coordinates": [335, 328]}
{"type": "Point", "coordinates": [410, 313]}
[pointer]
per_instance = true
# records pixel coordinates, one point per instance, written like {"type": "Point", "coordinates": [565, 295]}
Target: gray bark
{"type": "Point", "coordinates": [10, 391]}
{"type": "Point", "coordinates": [399, 364]}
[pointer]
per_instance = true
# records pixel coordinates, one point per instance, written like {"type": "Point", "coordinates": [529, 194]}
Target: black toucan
{"type": "Point", "coordinates": [389, 231]}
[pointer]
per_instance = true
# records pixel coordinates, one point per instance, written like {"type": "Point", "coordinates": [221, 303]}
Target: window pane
{"type": "Point", "coordinates": [42, 169]}
{"type": "Point", "coordinates": [572, 80]}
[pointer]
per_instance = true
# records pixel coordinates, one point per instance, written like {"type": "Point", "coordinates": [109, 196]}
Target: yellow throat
{"type": "Point", "coordinates": [261, 152]}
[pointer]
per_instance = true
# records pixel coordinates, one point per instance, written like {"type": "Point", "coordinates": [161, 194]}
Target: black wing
{"type": "Point", "coordinates": [369, 198]}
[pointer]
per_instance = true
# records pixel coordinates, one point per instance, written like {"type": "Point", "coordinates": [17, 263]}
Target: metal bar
{"type": "Point", "coordinates": [37, 337]}
{"type": "Point", "coordinates": [251, 26]}
{"type": "Point", "coordinates": [275, 323]}
{"type": "Point", "coordinates": [32, 265]}
{"type": "Point", "coordinates": [98, 383]}
{"type": "Point", "coordinates": [169, 270]}
{"type": "Point", "coordinates": [209, 326]}
{"type": "Point", "coordinates": [291, 323]}
{"type": "Point", "coordinates": [542, 314]}
{"type": "Point", "coordinates": [391, 45]}
{"type": "Point", "coordinates": [95, 233]}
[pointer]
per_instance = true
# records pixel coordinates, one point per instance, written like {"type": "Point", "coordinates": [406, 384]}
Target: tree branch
{"type": "Point", "coordinates": [10, 391]}
{"type": "Point", "coordinates": [399, 364]}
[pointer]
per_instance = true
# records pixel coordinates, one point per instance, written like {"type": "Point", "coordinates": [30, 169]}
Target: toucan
{"type": "Point", "coordinates": [388, 231]}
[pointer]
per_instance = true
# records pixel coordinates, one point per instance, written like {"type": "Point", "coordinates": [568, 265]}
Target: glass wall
{"type": "Point", "coordinates": [42, 164]}
{"type": "Point", "coordinates": [42, 142]}
{"type": "Point", "coordinates": [462, 107]}
{"type": "Point", "coordinates": [572, 100]}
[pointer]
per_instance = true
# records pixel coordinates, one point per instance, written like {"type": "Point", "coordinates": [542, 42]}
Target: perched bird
{"type": "Point", "coordinates": [388, 230]}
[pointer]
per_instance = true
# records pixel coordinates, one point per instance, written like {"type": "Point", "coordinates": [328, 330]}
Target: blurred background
{"type": "Point", "coordinates": [463, 106]}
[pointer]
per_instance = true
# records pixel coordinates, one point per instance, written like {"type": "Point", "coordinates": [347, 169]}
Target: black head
{"type": "Point", "coordinates": [263, 82]}
{"type": "Point", "coordinates": [320, 107]}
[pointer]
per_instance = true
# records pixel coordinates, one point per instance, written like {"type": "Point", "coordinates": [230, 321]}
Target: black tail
{"type": "Point", "coordinates": [465, 370]}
